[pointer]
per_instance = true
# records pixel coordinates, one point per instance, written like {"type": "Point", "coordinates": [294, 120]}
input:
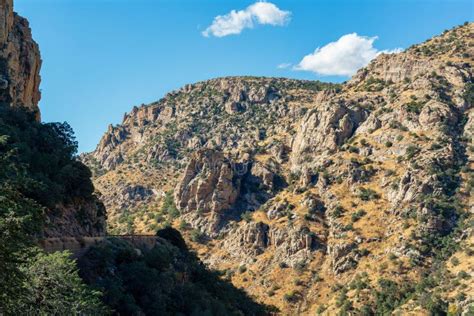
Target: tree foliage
{"type": "Point", "coordinates": [164, 280]}
{"type": "Point", "coordinates": [38, 170]}
{"type": "Point", "coordinates": [53, 287]}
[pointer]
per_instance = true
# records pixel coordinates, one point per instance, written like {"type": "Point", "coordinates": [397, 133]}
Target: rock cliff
{"type": "Point", "coordinates": [76, 214]}
{"type": "Point", "coordinates": [20, 61]}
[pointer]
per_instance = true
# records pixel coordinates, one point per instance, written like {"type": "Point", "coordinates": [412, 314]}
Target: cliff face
{"type": "Point", "coordinates": [20, 61]}
{"type": "Point", "coordinates": [313, 197]}
{"type": "Point", "coordinates": [75, 214]}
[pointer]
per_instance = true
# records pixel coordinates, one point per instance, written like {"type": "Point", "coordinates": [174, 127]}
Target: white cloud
{"type": "Point", "coordinates": [283, 65]}
{"type": "Point", "coordinates": [235, 21]}
{"type": "Point", "coordinates": [342, 57]}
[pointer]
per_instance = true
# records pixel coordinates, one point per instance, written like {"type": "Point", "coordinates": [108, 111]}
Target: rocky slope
{"type": "Point", "coordinates": [314, 197]}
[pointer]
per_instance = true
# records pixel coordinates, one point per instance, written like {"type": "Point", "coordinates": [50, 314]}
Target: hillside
{"type": "Point", "coordinates": [313, 197]}
{"type": "Point", "coordinates": [47, 193]}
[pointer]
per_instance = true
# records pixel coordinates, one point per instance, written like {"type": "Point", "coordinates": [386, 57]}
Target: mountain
{"type": "Point", "coordinates": [313, 197]}
{"type": "Point", "coordinates": [47, 197]}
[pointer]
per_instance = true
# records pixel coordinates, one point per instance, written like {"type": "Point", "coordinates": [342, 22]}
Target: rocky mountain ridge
{"type": "Point", "coordinates": [312, 196]}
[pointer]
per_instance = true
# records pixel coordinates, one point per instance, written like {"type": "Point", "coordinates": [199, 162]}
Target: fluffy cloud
{"type": "Point", "coordinates": [342, 57]}
{"type": "Point", "coordinates": [257, 13]}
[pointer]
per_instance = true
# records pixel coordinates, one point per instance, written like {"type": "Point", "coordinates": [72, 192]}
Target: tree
{"type": "Point", "coordinates": [54, 287]}
{"type": "Point", "coordinates": [18, 218]}
{"type": "Point", "coordinates": [38, 170]}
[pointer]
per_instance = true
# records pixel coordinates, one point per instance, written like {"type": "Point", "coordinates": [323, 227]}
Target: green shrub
{"type": "Point", "coordinates": [300, 266]}
{"type": "Point", "coordinates": [353, 149]}
{"type": "Point", "coordinates": [414, 107]}
{"type": "Point", "coordinates": [411, 151]}
{"type": "Point", "coordinates": [366, 194]}
{"type": "Point", "coordinates": [338, 211]}
{"type": "Point", "coordinates": [455, 261]}
{"type": "Point", "coordinates": [357, 215]}
{"type": "Point", "coordinates": [197, 236]}
{"type": "Point", "coordinates": [169, 206]}
{"type": "Point", "coordinates": [291, 297]}
{"type": "Point", "coordinates": [246, 216]}
{"type": "Point", "coordinates": [391, 295]}
{"type": "Point", "coordinates": [464, 275]}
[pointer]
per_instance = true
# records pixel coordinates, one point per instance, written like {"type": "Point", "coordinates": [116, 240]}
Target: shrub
{"type": "Point", "coordinates": [435, 146]}
{"type": "Point", "coordinates": [357, 215]}
{"type": "Point", "coordinates": [197, 236]}
{"type": "Point", "coordinates": [321, 309]}
{"type": "Point", "coordinates": [411, 151]}
{"type": "Point", "coordinates": [283, 265]}
{"type": "Point", "coordinates": [347, 227]}
{"type": "Point", "coordinates": [363, 252]}
{"type": "Point", "coordinates": [291, 297]}
{"type": "Point", "coordinates": [246, 216]}
{"type": "Point", "coordinates": [414, 107]}
{"type": "Point", "coordinates": [183, 225]}
{"type": "Point", "coordinates": [391, 295]}
{"type": "Point", "coordinates": [338, 211]}
{"type": "Point", "coordinates": [342, 297]}
{"type": "Point", "coordinates": [353, 149]}
{"type": "Point", "coordinates": [455, 261]}
{"type": "Point", "coordinates": [168, 206]}
{"type": "Point", "coordinates": [464, 275]}
{"type": "Point", "coordinates": [300, 266]}
{"type": "Point", "coordinates": [366, 194]}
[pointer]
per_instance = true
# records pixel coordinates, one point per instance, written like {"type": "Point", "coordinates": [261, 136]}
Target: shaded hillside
{"type": "Point", "coordinates": [164, 280]}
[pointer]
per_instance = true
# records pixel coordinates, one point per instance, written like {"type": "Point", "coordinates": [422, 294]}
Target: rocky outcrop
{"type": "Point", "coordinates": [216, 187]}
{"type": "Point", "coordinates": [20, 61]}
{"type": "Point", "coordinates": [210, 183]}
{"type": "Point", "coordinates": [248, 241]}
{"type": "Point", "coordinates": [325, 129]}
{"type": "Point", "coordinates": [115, 136]}
{"type": "Point", "coordinates": [436, 114]}
{"type": "Point", "coordinates": [238, 96]}
{"type": "Point", "coordinates": [342, 257]}
{"type": "Point", "coordinates": [290, 246]}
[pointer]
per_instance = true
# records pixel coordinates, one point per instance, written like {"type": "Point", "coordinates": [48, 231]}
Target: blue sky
{"type": "Point", "coordinates": [101, 57]}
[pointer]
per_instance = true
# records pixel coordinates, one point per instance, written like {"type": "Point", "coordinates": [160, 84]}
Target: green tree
{"type": "Point", "coordinates": [54, 287]}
